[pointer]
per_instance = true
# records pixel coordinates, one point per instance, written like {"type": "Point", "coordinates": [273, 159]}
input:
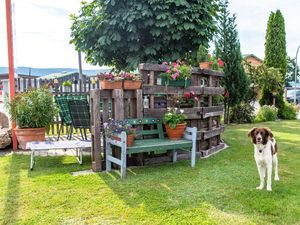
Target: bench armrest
{"type": "Point", "coordinates": [190, 133]}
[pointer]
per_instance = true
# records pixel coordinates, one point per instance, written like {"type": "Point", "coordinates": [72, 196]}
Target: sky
{"type": "Point", "coordinates": [42, 30]}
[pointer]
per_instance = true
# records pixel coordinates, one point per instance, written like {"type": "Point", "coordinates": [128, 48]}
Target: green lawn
{"type": "Point", "coordinates": [220, 190]}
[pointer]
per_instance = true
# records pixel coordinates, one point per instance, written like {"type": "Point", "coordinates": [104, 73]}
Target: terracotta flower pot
{"type": "Point", "coordinates": [109, 85]}
{"type": "Point", "coordinates": [130, 139]}
{"type": "Point", "coordinates": [29, 134]}
{"type": "Point", "coordinates": [177, 132]}
{"type": "Point", "coordinates": [205, 65]}
{"type": "Point", "coordinates": [132, 84]}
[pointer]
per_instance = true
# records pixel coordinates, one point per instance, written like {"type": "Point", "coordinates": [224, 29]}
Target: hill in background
{"type": "Point", "coordinates": [46, 71]}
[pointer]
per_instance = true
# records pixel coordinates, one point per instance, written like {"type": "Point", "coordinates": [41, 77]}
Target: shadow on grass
{"type": "Point", "coordinates": [50, 165]}
{"type": "Point", "coordinates": [13, 190]}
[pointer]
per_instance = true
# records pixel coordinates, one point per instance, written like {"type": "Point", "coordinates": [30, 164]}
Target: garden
{"type": "Point", "coordinates": [219, 190]}
{"type": "Point", "coordinates": [165, 131]}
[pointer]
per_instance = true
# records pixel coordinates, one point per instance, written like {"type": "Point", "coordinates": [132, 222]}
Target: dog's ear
{"type": "Point", "coordinates": [251, 132]}
{"type": "Point", "coordinates": [268, 132]}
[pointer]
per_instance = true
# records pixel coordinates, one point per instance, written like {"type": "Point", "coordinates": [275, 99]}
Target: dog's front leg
{"type": "Point", "coordinates": [269, 176]}
{"type": "Point", "coordinates": [261, 171]}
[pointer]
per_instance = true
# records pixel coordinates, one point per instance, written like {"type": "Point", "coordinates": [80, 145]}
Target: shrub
{"type": "Point", "coordinates": [289, 111]}
{"type": "Point", "coordinates": [33, 109]}
{"type": "Point", "coordinates": [267, 113]}
{"type": "Point", "coordinates": [243, 113]}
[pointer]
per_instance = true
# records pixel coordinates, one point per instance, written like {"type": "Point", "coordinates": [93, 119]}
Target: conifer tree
{"type": "Point", "coordinates": [276, 57]}
{"type": "Point", "coordinates": [235, 81]}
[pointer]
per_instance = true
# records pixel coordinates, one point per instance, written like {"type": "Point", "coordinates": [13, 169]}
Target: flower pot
{"type": "Point", "coordinates": [109, 84]}
{"type": "Point", "coordinates": [28, 135]}
{"type": "Point", "coordinates": [177, 132]}
{"type": "Point", "coordinates": [130, 139]}
{"type": "Point", "coordinates": [175, 83]}
{"type": "Point", "coordinates": [132, 84]}
{"type": "Point", "coordinates": [205, 65]}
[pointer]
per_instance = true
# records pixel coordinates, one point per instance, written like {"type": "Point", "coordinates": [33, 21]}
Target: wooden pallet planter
{"type": "Point", "coordinates": [206, 117]}
{"type": "Point", "coordinates": [118, 104]}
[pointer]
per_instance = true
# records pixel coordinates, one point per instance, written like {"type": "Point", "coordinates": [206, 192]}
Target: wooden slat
{"type": "Point", "coordinates": [212, 114]}
{"type": "Point", "coordinates": [212, 133]}
{"type": "Point", "coordinates": [213, 90]}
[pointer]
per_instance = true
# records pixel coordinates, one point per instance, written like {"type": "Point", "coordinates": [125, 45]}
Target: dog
{"type": "Point", "coordinates": [265, 155]}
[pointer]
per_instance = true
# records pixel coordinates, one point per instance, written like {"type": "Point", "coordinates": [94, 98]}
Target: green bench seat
{"type": "Point", "coordinates": [187, 143]}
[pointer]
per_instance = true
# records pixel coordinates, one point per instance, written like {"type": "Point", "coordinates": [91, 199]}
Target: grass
{"type": "Point", "coordinates": [220, 190]}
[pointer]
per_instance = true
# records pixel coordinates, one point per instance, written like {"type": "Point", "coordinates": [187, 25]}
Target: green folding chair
{"type": "Point", "coordinates": [64, 113]}
{"type": "Point", "coordinates": [80, 115]}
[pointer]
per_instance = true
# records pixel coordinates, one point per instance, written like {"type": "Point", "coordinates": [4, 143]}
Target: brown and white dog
{"type": "Point", "coordinates": [265, 155]}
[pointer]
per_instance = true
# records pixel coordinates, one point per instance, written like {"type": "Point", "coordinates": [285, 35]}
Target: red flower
{"type": "Point", "coordinates": [187, 95]}
{"type": "Point", "coordinates": [226, 94]}
{"type": "Point", "coordinates": [221, 63]}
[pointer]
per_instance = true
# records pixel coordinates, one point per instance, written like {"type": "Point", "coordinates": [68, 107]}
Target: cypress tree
{"type": "Point", "coordinates": [235, 80]}
{"type": "Point", "coordinates": [275, 56]}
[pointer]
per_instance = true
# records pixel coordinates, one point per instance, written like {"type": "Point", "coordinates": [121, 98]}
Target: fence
{"type": "Point", "coordinates": [57, 89]}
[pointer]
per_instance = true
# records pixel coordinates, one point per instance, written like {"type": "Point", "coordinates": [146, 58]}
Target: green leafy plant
{"type": "Point", "coordinates": [217, 99]}
{"type": "Point", "coordinates": [242, 113]}
{"type": "Point", "coordinates": [173, 117]}
{"type": "Point", "coordinates": [126, 33]}
{"type": "Point", "coordinates": [178, 71]}
{"type": "Point", "coordinates": [289, 111]}
{"type": "Point", "coordinates": [67, 83]}
{"type": "Point", "coordinates": [33, 109]}
{"type": "Point", "coordinates": [202, 54]}
{"type": "Point", "coordinates": [267, 113]}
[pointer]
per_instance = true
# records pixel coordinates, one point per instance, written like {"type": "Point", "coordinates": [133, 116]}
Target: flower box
{"type": "Point", "coordinates": [109, 84]}
{"type": "Point", "coordinates": [205, 65]}
{"type": "Point", "coordinates": [132, 84]}
{"type": "Point", "coordinates": [175, 83]}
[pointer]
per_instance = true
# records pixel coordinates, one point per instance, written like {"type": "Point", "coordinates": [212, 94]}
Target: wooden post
{"type": "Point", "coordinates": [118, 96]}
{"type": "Point", "coordinates": [210, 80]}
{"type": "Point", "coordinates": [11, 67]}
{"type": "Point", "coordinates": [96, 132]}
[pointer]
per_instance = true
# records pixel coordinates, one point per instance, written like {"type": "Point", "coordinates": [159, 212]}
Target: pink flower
{"type": "Point", "coordinates": [165, 63]}
{"type": "Point", "coordinates": [174, 76]}
{"type": "Point", "coordinates": [192, 92]}
{"type": "Point", "coordinates": [168, 71]}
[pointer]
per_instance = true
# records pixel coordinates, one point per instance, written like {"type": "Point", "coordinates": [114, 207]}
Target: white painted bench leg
{"type": "Point", "coordinates": [174, 155]}
{"type": "Point", "coordinates": [80, 155]}
{"type": "Point", "coordinates": [32, 160]}
{"type": "Point", "coordinates": [193, 153]}
{"type": "Point", "coordinates": [123, 154]}
{"type": "Point", "coordinates": [108, 153]}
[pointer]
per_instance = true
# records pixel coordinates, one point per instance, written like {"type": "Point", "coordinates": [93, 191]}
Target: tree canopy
{"type": "Point", "coordinates": [126, 33]}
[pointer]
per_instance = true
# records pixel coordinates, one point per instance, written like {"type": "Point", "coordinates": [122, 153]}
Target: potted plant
{"type": "Point", "coordinates": [177, 74]}
{"type": "Point", "coordinates": [109, 81]}
{"type": "Point", "coordinates": [131, 81]}
{"type": "Point", "coordinates": [67, 85]}
{"type": "Point", "coordinates": [204, 58]}
{"type": "Point", "coordinates": [212, 63]}
{"type": "Point", "coordinates": [33, 113]}
{"type": "Point", "coordinates": [174, 121]}
{"type": "Point", "coordinates": [113, 129]}
{"type": "Point", "coordinates": [188, 100]}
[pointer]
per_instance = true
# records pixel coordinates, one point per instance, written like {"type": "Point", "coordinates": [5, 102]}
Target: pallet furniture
{"type": "Point", "coordinates": [157, 144]}
{"type": "Point", "coordinates": [205, 115]}
{"type": "Point", "coordinates": [78, 146]}
{"type": "Point", "coordinates": [127, 104]}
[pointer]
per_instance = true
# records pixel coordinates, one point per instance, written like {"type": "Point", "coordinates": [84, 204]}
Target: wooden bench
{"type": "Point", "coordinates": [187, 143]}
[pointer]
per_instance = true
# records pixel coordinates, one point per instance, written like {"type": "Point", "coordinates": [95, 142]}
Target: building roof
{"type": "Point", "coordinates": [245, 56]}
